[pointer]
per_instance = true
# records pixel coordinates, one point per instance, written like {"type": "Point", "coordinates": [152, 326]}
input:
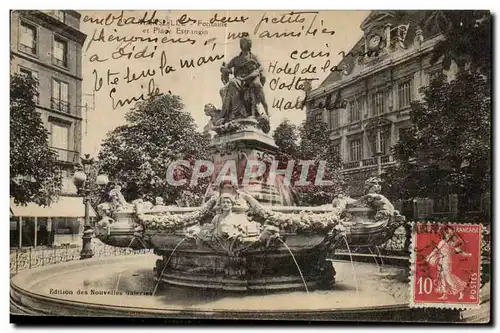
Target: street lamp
{"type": "Point", "coordinates": [82, 183]}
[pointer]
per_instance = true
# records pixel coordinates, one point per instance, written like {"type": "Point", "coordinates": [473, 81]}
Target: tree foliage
{"type": "Point", "coordinates": [286, 136]}
{"type": "Point", "coordinates": [137, 155]}
{"type": "Point", "coordinates": [467, 38]}
{"type": "Point", "coordinates": [315, 145]}
{"type": "Point", "coordinates": [448, 149]}
{"type": "Point", "coordinates": [34, 173]}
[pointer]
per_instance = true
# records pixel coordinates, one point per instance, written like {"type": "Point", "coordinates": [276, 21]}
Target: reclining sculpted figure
{"type": "Point", "coordinates": [243, 92]}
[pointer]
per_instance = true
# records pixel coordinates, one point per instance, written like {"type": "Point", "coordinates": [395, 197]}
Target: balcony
{"type": "Point", "coordinates": [368, 162]}
{"type": "Point", "coordinates": [28, 49]}
{"type": "Point", "coordinates": [59, 105]}
{"type": "Point", "coordinates": [351, 165]}
{"type": "Point", "coordinates": [67, 156]}
{"type": "Point", "coordinates": [386, 159]}
{"type": "Point", "coordinates": [60, 62]}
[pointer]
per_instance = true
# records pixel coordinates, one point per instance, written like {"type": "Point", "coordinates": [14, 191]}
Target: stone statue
{"type": "Point", "coordinates": [231, 220]}
{"type": "Point", "coordinates": [242, 93]}
{"type": "Point", "coordinates": [216, 118]}
{"type": "Point", "coordinates": [102, 227]}
{"type": "Point", "coordinates": [118, 202]}
{"type": "Point", "coordinates": [226, 222]}
{"type": "Point", "coordinates": [372, 185]}
{"type": "Point", "coordinates": [159, 201]}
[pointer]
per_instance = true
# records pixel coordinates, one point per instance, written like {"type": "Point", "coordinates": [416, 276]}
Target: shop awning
{"type": "Point", "coordinates": [64, 207]}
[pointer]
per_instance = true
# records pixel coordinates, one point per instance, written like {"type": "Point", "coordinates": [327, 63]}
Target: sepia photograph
{"type": "Point", "coordinates": [262, 165]}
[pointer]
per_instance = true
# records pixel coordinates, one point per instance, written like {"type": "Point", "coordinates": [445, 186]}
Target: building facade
{"type": "Point", "coordinates": [366, 99]}
{"type": "Point", "coordinates": [48, 46]}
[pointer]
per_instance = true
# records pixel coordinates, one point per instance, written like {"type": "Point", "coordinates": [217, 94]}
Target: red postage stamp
{"type": "Point", "coordinates": [446, 265]}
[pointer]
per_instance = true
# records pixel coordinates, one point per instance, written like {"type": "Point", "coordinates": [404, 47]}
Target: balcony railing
{"type": "Point", "coordinates": [386, 159]}
{"type": "Point", "coordinates": [60, 105]}
{"type": "Point", "coordinates": [27, 48]}
{"type": "Point", "coordinates": [65, 155]}
{"type": "Point", "coordinates": [352, 165]}
{"type": "Point", "coordinates": [368, 162]}
{"type": "Point", "coordinates": [60, 62]}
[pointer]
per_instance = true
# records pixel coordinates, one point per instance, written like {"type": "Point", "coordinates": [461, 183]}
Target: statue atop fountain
{"type": "Point", "coordinates": [242, 94]}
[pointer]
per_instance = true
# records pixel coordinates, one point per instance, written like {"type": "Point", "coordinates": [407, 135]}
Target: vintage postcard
{"type": "Point", "coordinates": [259, 165]}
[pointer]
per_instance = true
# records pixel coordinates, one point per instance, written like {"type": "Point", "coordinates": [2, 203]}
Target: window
{"type": "Point", "coordinates": [59, 15]}
{"type": "Point", "coordinates": [354, 111]}
{"type": "Point", "coordinates": [34, 75]}
{"type": "Point", "coordinates": [60, 52]}
{"type": "Point", "coordinates": [434, 75]}
{"type": "Point", "coordinates": [27, 39]}
{"type": "Point", "coordinates": [335, 149]}
{"type": "Point", "coordinates": [378, 103]}
{"type": "Point", "coordinates": [318, 117]}
{"type": "Point", "coordinates": [384, 143]}
{"type": "Point", "coordinates": [404, 132]}
{"type": "Point", "coordinates": [59, 140]}
{"type": "Point", "coordinates": [60, 96]}
{"type": "Point", "coordinates": [334, 119]}
{"type": "Point", "coordinates": [404, 94]}
{"type": "Point", "coordinates": [65, 225]}
{"type": "Point", "coordinates": [355, 150]}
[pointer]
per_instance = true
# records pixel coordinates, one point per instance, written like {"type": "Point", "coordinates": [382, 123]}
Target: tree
{"type": "Point", "coordinates": [467, 38]}
{"type": "Point", "coordinates": [137, 155]}
{"type": "Point", "coordinates": [315, 145]}
{"type": "Point", "coordinates": [286, 136]}
{"type": "Point", "coordinates": [34, 173]}
{"type": "Point", "coordinates": [448, 149]}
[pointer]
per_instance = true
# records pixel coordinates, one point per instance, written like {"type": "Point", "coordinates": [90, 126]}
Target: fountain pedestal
{"type": "Point", "coordinates": [238, 153]}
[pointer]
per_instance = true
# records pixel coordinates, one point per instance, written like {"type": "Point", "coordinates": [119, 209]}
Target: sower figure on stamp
{"type": "Point", "coordinates": [442, 256]}
{"type": "Point", "coordinates": [244, 91]}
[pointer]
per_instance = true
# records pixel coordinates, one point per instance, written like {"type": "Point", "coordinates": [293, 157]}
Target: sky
{"type": "Point", "coordinates": [316, 37]}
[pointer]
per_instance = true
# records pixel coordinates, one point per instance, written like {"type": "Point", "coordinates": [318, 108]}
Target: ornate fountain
{"type": "Point", "coordinates": [247, 235]}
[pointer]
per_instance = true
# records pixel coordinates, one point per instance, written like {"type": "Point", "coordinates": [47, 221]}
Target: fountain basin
{"type": "Point", "coordinates": [365, 231]}
{"type": "Point", "coordinates": [300, 266]}
{"type": "Point", "coordinates": [129, 283]}
{"type": "Point", "coordinates": [294, 260]}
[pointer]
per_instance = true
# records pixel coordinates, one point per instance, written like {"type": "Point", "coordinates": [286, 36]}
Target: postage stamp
{"type": "Point", "coordinates": [252, 165]}
{"type": "Point", "coordinates": [446, 265]}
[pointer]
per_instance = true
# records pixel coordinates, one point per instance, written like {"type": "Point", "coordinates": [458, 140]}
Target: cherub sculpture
{"type": "Point", "coordinates": [216, 118]}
